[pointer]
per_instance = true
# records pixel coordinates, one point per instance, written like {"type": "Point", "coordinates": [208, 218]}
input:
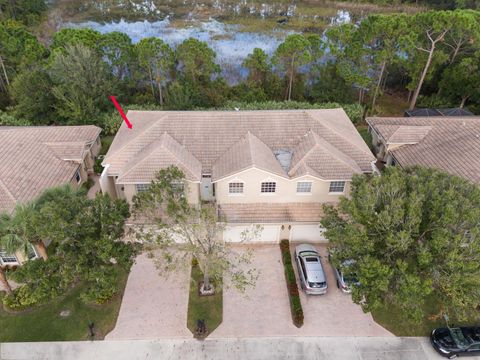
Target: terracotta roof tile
{"type": "Point", "coordinates": [271, 212]}
{"type": "Point", "coordinates": [32, 159]}
{"type": "Point", "coordinates": [225, 142]}
{"type": "Point", "coordinates": [448, 143]}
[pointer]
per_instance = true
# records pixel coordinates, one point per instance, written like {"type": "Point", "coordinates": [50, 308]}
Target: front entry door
{"type": "Point", "coordinates": [206, 187]}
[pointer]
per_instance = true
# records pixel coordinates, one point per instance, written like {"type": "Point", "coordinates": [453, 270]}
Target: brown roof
{"type": "Point", "coordinates": [35, 158]}
{"type": "Point", "coordinates": [448, 143]}
{"type": "Point", "coordinates": [271, 212]}
{"type": "Point", "coordinates": [225, 142]}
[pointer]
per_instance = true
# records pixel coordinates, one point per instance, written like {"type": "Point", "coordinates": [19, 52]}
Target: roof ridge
{"type": "Point", "coordinates": [165, 134]}
{"type": "Point", "coordinates": [154, 123]}
{"type": "Point", "coordinates": [301, 161]}
{"type": "Point", "coordinates": [339, 134]}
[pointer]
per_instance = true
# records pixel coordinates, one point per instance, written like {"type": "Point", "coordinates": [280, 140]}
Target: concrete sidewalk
{"type": "Point", "coordinates": [305, 348]}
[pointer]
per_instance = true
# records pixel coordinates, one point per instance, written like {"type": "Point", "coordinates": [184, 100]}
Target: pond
{"type": "Point", "coordinates": [232, 28]}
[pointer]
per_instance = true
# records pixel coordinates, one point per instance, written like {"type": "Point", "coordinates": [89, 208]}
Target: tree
{"type": "Point", "coordinates": [157, 59]}
{"type": "Point", "coordinates": [428, 30]}
{"type": "Point", "coordinates": [67, 38]}
{"type": "Point", "coordinates": [196, 227]}
{"type": "Point", "coordinates": [412, 234]}
{"type": "Point", "coordinates": [81, 84]}
{"type": "Point", "coordinates": [18, 47]}
{"type": "Point", "coordinates": [196, 61]}
{"type": "Point", "coordinates": [461, 82]}
{"type": "Point", "coordinates": [117, 51]}
{"type": "Point", "coordinates": [295, 51]}
{"type": "Point", "coordinates": [19, 231]}
{"type": "Point", "coordinates": [382, 35]}
{"type": "Point", "coordinates": [31, 95]}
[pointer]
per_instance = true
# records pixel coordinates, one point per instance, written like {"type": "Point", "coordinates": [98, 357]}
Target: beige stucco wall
{"type": "Point", "coordinates": [286, 190]}
{"type": "Point", "coordinates": [129, 191]}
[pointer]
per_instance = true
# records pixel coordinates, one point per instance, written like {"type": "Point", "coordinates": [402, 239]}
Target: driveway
{"type": "Point", "coordinates": [334, 314]}
{"type": "Point", "coordinates": [265, 310]}
{"type": "Point", "coordinates": [153, 306]}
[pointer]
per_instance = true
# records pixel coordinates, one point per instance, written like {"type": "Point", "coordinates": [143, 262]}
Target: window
{"type": "Point", "coordinates": [32, 253]}
{"type": "Point", "coordinates": [7, 258]}
{"type": "Point", "coordinates": [337, 186]}
{"type": "Point", "coordinates": [235, 188]}
{"type": "Point", "coordinates": [142, 187]}
{"type": "Point", "coordinates": [304, 187]}
{"type": "Point", "coordinates": [77, 176]}
{"type": "Point", "coordinates": [178, 187]}
{"type": "Point", "coordinates": [268, 187]}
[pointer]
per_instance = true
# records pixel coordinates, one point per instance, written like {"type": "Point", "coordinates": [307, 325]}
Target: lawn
{"type": "Point", "coordinates": [44, 323]}
{"type": "Point", "coordinates": [208, 308]}
{"type": "Point", "coordinates": [390, 105]}
{"type": "Point", "coordinates": [394, 320]}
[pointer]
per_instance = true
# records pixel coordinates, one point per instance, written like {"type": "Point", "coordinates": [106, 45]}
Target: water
{"type": "Point", "coordinates": [231, 45]}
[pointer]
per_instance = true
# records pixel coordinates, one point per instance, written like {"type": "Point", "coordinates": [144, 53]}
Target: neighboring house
{"type": "Point", "coordinates": [450, 143]}
{"type": "Point", "coordinates": [274, 168]}
{"type": "Point", "coordinates": [438, 112]}
{"type": "Point", "coordinates": [33, 159]}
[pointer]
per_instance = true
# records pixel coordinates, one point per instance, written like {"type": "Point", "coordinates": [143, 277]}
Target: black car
{"type": "Point", "coordinates": [456, 341]}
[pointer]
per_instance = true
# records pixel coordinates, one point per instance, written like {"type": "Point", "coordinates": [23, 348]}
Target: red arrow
{"type": "Point", "coordinates": [120, 111]}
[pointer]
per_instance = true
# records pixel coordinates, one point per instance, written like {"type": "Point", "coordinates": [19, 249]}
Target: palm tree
{"type": "Point", "coordinates": [20, 231]}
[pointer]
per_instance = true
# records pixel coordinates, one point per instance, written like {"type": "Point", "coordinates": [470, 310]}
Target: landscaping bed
{"type": "Point", "coordinates": [293, 294]}
{"type": "Point", "coordinates": [44, 323]}
{"type": "Point", "coordinates": [207, 308]}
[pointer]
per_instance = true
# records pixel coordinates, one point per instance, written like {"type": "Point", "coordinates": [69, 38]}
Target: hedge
{"type": "Point", "coordinates": [293, 294]}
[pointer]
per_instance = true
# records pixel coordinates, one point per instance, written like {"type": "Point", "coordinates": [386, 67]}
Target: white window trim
{"type": "Point", "coordinates": [337, 192]}
{"type": "Point", "coordinates": [141, 184]}
{"type": "Point", "coordinates": [236, 181]}
{"type": "Point", "coordinates": [269, 193]}
{"type": "Point", "coordinates": [4, 254]}
{"type": "Point", "coordinates": [304, 193]}
{"type": "Point", "coordinates": [35, 252]}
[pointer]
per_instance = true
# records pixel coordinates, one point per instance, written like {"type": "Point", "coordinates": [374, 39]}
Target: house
{"type": "Point", "coordinates": [274, 168]}
{"type": "Point", "coordinates": [450, 143]}
{"type": "Point", "coordinates": [33, 159]}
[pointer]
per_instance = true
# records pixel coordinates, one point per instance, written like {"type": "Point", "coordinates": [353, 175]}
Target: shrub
{"type": "Point", "coordinates": [102, 286]}
{"type": "Point", "coordinates": [9, 120]}
{"type": "Point", "coordinates": [111, 122]}
{"type": "Point", "coordinates": [293, 294]}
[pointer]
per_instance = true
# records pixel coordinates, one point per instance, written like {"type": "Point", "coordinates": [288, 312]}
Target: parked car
{"type": "Point", "coordinates": [456, 341]}
{"type": "Point", "coordinates": [310, 270]}
{"type": "Point", "coordinates": [344, 282]}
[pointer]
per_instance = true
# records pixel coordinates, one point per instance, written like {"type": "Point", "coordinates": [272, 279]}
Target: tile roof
{"type": "Point", "coordinates": [448, 143]}
{"type": "Point", "coordinates": [271, 212]}
{"type": "Point", "coordinates": [247, 152]}
{"type": "Point", "coordinates": [225, 142]}
{"type": "Point", "coordinates": [35, 158]}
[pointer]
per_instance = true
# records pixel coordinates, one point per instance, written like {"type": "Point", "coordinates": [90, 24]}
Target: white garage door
{"type": "Point", "coordinates": [269, 233]}
{"type": "Point", "coordinates": [307, 233]}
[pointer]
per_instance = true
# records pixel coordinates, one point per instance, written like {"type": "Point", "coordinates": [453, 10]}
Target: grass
{"type": "Point", "coordinates": [208, 308]}
{"type": "Point", "coordinates": [396, 320]}
{"type": "Point", "coordinates": [44, 323]}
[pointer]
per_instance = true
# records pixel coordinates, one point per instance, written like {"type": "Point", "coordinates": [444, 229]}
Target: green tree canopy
{"type": "Point", "coordinates": [297, 50]}
{"type": "Point", "coordinates": [66, 38]}
{"type": "Point", "coordinates": [196, 61]}
{"type": "Point", "coordinates": [81, 84]}
{"type": "Point", "coordinates": [156, 59]}
{"type": "Point", "coordinates": [411, 234]}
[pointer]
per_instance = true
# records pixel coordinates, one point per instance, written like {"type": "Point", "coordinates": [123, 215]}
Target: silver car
{"type": "Point", "coordinates": [310, 270]}
{"type": "Point", "coordinates": [344, 282]}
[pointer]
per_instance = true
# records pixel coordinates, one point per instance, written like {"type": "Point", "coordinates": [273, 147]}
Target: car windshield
{"type": "Point", "coordinates": [460, 340]}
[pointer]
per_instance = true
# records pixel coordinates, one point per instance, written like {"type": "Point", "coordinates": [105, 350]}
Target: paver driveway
{"type": "Point", "coordinates": [152, 306]}
{"type": "Point", "coordinates": [265, 311]}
